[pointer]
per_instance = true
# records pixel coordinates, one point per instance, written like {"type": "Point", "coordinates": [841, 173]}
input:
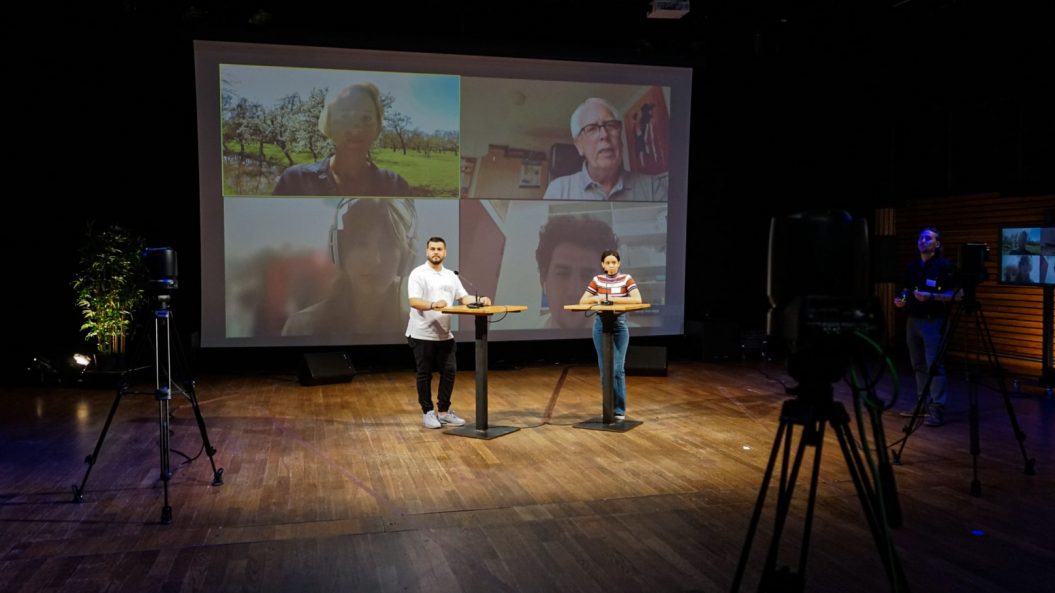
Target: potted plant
{"type": "Point", "coordinates": [109, 286]}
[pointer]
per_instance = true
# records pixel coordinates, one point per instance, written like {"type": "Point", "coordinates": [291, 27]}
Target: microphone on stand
{"type": "Point", "coordinates": [477, 304]}
{"type": "Point", "coordinates": [607, 293]}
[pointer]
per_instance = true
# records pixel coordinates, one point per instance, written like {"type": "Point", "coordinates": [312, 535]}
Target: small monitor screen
{"type": "Point", "coordinates": [1027, 255]}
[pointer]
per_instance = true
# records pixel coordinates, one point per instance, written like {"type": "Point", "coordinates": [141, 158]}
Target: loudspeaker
{"type": "Point", "coordinates": [321, 368]}
{"type": "Point", "coordinates": [646, 360]}
{"type": "Point", "coordinates": [718, 339]}
{"type": "Point", "coordinates": [885, 262]}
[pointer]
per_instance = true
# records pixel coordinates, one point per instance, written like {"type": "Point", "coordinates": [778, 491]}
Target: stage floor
{"type": "Point", "coordinates": [340, 488]}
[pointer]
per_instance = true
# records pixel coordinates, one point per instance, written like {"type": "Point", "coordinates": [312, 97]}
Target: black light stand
{"type": "Point", "coordinates": [165, 375]}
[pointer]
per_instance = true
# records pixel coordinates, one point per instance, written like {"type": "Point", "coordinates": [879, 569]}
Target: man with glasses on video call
{"type": "Point", "coordinates": [597, 133]}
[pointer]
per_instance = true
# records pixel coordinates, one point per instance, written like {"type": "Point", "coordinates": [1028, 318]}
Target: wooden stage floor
{"type": "Point", "coordinates": [340, 488]}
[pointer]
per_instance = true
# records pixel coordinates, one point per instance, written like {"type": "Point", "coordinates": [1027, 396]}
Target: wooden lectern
{"type": "Point", "coordinates": [480, 430]}
{"type": "Point", "coordinates": [608, 315]}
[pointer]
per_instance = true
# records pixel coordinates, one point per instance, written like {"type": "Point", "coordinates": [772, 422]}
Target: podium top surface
{"type": "Point", "coordinates": [617, 307]}
{"type": "Point", "coordinates": [488, 310]}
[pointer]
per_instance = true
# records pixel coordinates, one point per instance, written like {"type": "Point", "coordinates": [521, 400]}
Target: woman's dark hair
{"type": "Point", "coordinates": [607, 252]}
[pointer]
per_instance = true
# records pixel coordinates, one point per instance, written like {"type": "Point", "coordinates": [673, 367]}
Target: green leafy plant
{"type": "Point", "coordinates": [109, 285]}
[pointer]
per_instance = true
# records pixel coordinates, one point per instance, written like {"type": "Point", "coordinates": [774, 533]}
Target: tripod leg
{"type": "Point", "coordinates": [871, 503]}
{"type": "Point", "coordinates": [217, 474]}
{"type": "Point", "coordinates": [773, 578]}
{"type": "Point", "coordinates": [975, 445]}
{"type": "Point", "coordinates": [916, 420]}
{"type": "Point", "coordinates": [189, 391]}
{"type": "Point", "coordinates": [745, 552]}
{"type": "Point", "coordinates": [888, 487]}
{"type": "Point", "coordinates": [164, 396]}
{"type": "Point", "coordinates": [78, 491]}
{"type": "Point", "coordinates": [813, 423]}
{"type": "Point", "coordinates": [1020, 436]}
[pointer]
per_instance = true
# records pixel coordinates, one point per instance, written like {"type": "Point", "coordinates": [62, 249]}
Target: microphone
{"type": "Point", "coordinates": [607, 293]}
{"type": "Point", "coordinates": [477, 304]}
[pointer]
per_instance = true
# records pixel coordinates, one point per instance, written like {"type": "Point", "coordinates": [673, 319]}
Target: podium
{"type": "Point", "coordinates": [480, 430]}
{"type": "Point", "coordinates": [608, 315]}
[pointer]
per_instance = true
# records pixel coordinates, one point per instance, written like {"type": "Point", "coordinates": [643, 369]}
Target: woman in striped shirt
{"type": "Point", "coordinates": [613, 287]}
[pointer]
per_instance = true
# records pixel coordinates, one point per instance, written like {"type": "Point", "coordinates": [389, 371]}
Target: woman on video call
{"type": "Point", "coordinates": [353, 121]}
{"type": "Point", "coordinates": [371, 243]}
{"type": "Point", "coordinates": [613, 287]}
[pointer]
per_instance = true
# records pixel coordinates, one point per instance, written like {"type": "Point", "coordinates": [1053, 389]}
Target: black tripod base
{"type": "Point", "coordinates": [598, 423]}
{"type": "Point", "coordinates": [782, 579]}
{"type": "Point", "coordinates": [470, 430]}
{"type": "Point", "coordinates": [166, 515]}
{"type": "Point", "coordinates": [217, 478]}
{"type": "Point", "coordinates": [78, 494]}
{"type": "Point", "coordinates": [813, 413]}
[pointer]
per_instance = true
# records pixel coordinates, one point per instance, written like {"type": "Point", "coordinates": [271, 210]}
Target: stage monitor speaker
{"type": "Point", "coordinates": [717, 338]}
{"type": "Point", "coordinates": [321, 368]}
{"type": "Point", "coordinates": [646, 360]}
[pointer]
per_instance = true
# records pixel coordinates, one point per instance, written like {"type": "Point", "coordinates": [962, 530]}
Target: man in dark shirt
{"type": "Point", "coordinates": [927, 292]}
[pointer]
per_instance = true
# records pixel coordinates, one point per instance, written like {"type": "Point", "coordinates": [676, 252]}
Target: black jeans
{"type": "Point", "coordinates": [434, 356]}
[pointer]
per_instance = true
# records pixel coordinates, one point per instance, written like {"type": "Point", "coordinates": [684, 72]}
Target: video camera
{"type": "Point", "coordinates": [820, 292]}
{"type": "Point", "coordinates": [162, 269]}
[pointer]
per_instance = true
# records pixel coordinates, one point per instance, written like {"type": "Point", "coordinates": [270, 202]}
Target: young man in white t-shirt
{"type": "Point", "coordinates": [432, 287]}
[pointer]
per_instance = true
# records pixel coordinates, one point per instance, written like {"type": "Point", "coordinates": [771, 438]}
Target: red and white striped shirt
{"type": "Point", "coordinates": [619, 285]}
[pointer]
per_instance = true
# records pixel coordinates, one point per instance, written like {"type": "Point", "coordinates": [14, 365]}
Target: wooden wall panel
{"type": "Point", "coordinates": [1013, 313]}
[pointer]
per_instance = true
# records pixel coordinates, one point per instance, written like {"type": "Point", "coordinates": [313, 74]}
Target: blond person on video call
{"type": "Point", "coordinates": [432, 287]}
{"type": "Point", "coordinates": [597, 133]}
{"type": "Point", "coordinates": [352, 121]}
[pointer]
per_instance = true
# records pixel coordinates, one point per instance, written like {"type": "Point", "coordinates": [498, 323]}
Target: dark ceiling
{"type": "Point", "coordinates": [894, 99]}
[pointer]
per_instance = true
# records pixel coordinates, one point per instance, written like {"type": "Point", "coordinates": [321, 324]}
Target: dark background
{"type": "Point", "coordinates": [797, 105]}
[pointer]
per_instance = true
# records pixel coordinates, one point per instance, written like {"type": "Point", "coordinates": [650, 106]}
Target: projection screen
{"type": "Point", "coordinates": [323, 172]}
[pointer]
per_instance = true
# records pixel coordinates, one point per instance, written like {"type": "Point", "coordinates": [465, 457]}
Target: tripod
{"type": "Point", "coordinates": [163, 385]}
{"type": "Point", "coordinates": [814, 410]}
{"type": "Point", "coordinates": [969, 307]}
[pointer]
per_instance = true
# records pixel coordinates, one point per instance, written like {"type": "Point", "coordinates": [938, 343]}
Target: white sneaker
{"type": "Point", "coordinates": [451, 418]}
{"type": "Point", "coordinates": [429, 420]}
{"type": "Point", "coordinates": [619, 417]}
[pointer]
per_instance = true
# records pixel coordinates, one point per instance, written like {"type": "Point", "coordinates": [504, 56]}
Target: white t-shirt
{"type": "Point", "coordinates": [431, 285]}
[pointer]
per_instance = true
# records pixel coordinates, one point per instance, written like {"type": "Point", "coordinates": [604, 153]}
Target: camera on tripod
{"type": "Point", "coordinates": [970, 266]}
{"type": "Point", "coordinates": [170, 375]}
{"type": "Point", "coordinates": [162, 275]}
{"type": "Point", "coordinates": [819, 289]}
{"type": "Point", "coordinates": [162, 269]}
{"type": "Point", "coordinates": [822, 305]}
